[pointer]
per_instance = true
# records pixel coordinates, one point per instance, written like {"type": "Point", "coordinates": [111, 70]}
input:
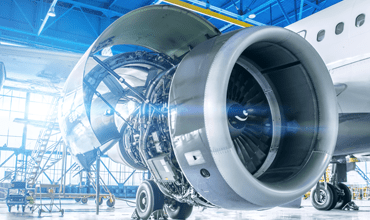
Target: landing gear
{"type": "Point", "coordinates": [334, 194]}
{"type": "Point", "coordinates": [78, 199]}
{"type": "Point", "coordinates": [148, 199]}
{"type": "Point", "coordinates": [179, 210]}
{"type": "Point", "coordinates": [325, 197]}
{"type": "Point", "coordinates": [345, 198]}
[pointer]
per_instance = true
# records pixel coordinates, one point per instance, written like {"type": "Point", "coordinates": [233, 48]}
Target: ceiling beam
{"type": "Point", "coordinates": [254, 11]}
{"type": "Point", "coordinates": [106, 12]}
{"type": "Point", "coordinates": [214, 12]}
{"type": "Point", "coordinates": [283, 11]}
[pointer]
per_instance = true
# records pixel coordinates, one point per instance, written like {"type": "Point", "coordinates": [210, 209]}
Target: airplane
{"type": "Point", "coordinates": [339, 35]}
{"type": "Point", "coordinates": [244, 120]}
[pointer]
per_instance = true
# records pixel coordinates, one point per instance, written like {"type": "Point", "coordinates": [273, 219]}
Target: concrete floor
{"type": "Point", "coordinates": [77, 211]}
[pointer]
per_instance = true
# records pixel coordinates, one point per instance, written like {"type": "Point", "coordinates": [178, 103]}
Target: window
{"type": "Point", "coordinates": [320, 35]}
{"type": "Point", "coordinates": [360, 20]}
{"type": "Point", "coordinates": [339, 28]}
{"type": "Point", "coordinates": [302, 33]}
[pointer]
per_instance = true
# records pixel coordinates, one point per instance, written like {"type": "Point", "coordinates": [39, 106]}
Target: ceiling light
{"type": "Point", "coordinates": [251, 16]}
{"type": "Point", "coordinates": [51, 12]}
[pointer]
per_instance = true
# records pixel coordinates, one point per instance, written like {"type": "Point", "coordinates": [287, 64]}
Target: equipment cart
{"type": "Point", "coordinates": [17, 195]}
{"type": "Point", "coordinates": [47, 207]}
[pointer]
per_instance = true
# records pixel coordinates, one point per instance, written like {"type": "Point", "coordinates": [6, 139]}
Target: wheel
{"type": "Point", "coordinates": [326, 198]}
{"type": "Point", "coordinates": [62, 212]}
{"type": "Point", "coordinates": [148, 199]}
{"type": "Point", "coordinates": [84, 200]}
{"type": "Point", "coordinates": [78, 199]}
{"type": "Point", "coordinates": [40, 212]}
{"type": "Point", "coordinates": [17, 207]}
{"type": "Point", "coordinates": [111, 202]}
{"type": "Point", "coordinates": [335, 196]}
{"type": "Point", "coordinates": [343, 200]}
{"type": "Point", "coordinates": [23, 208]}
{"type": "Point", "coordinates": [100, 200]}
{"type": "Point", "coordinates": [9, 208]}
{"type": "Point", "coordinates": [179, 210]}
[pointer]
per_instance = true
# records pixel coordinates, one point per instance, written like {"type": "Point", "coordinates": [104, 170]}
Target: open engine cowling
{"type": "Point", "coordinates": [243, 120]}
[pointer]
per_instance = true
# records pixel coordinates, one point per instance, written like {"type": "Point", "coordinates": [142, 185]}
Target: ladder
{"type": "Point", "coordinates": [37, 155]}
{"type": "Point", "coordinates": [362, 174]}
{"type": "Point", "coordinates": [92, 176]}
{"type": "Point", "coordinates": [54, 157]}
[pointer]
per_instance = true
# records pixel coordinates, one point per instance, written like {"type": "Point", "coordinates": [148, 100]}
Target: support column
{"type": "Point", "coordinates": [97, 182]}
{"type": "Point", "coordinates": [24, 138]}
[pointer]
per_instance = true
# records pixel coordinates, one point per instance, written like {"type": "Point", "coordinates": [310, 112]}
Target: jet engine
{"type": "Point", "coordinates": [242, 120]}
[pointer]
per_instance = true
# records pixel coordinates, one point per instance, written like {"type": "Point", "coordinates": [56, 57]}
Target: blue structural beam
{"type": "Point", "coordinates": [301, 10]}
{"type": "Point", "coordinates": [109, 172]}
{"type": "Point", "coordinates": [106, 12]}
{"type": "Point", "coordinates": [283, 11]}
{"type": "Point", "coordinates": [129, 177]}
{"type": "Point", "coordinates": [305, 9]}
{"type": "Point", "coordinates": [312, 4]}
{"type": "Point", "coordinates": [73, 165]}
{"type": "Point", "coordinates": [6, 160]}
{"type": "Point", "coordinates": [253, 11]}
{"type": "Point", "coordinates": [51, 182]}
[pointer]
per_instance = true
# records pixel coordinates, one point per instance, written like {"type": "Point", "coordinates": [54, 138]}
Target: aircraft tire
{"type": "Point", "coordinates": [328, 197]}
{"type": "Point", "coordinates": [180, 211]}
{"type": "Point", "coordinates": [148, 199]}
{"type": "Point", "coordinates": [346, 198]}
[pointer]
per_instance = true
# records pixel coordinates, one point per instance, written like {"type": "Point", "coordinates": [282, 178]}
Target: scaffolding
{"type": "Point", "coordinates": [27, 190]}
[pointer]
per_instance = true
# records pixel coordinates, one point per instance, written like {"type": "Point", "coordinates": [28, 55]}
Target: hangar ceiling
{"type": "Point", "coordinates": [77, 23]}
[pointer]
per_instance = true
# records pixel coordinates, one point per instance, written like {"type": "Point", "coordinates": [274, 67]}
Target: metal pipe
{"type": "Point", "coordinates": [47, 16]}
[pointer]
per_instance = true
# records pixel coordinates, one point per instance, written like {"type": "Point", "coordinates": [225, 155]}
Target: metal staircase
{"type": "Point", "coordinates": [363, 175]}
{"type": "Point", "coordinates": [34, 165]}
{"type": "Point", "coordinates": [92, 176]}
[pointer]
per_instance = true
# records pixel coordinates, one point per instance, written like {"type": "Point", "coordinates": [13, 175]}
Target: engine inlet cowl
{"type": "Point", "coordinates": [253, 117]}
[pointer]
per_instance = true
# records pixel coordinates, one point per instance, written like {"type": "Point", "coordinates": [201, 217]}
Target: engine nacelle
{"type": "Point", "coordinates": [243, 120]}
{"type": "Point", "coordinates": [279, 88]}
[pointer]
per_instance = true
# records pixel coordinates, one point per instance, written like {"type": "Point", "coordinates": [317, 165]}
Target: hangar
{"type": "Point", "coordinates": [184, 109]}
